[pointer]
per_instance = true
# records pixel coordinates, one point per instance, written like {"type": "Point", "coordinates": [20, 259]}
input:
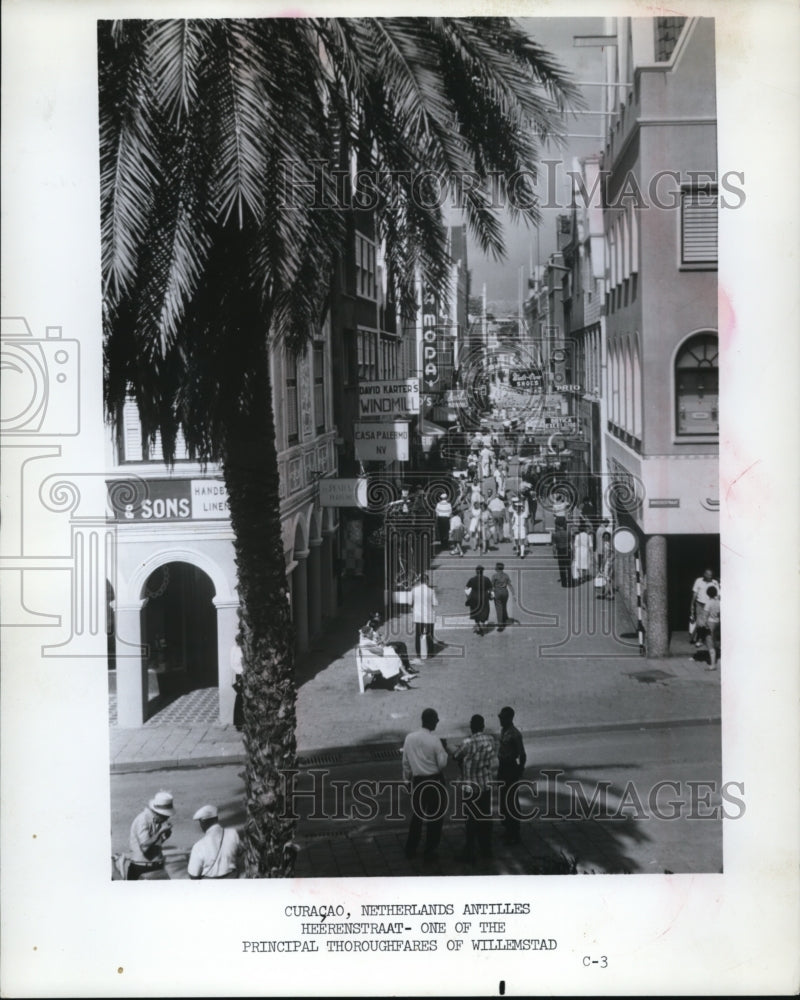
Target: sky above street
{"type": "Point", "coordinates": [522, 244]}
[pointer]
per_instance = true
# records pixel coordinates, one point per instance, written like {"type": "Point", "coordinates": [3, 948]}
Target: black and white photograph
{"type": "Point", "coordinates": [401, 500]}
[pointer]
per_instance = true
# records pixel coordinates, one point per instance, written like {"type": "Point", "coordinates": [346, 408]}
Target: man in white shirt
{"type": "Point", "coordinates": [423, 601]}
{"type": "Point", "coordinates": [698, 605]}
{"type": "Point", "coordinates": [424, 759]}
{"type": "Point", "coordinates": [444, 511]}
{"type": "Point", "coordinates": [216, 854]}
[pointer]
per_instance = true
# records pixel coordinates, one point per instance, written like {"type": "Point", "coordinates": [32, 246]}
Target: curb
{"type": "Point", "coordinates": [339, 756]}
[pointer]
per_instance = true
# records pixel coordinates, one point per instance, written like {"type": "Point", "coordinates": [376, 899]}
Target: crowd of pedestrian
{"type": "Point", "coordinates": [485, 762]}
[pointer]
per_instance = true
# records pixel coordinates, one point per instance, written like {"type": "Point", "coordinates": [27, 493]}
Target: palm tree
{"type": "Point", "coordinates": [219, 142]}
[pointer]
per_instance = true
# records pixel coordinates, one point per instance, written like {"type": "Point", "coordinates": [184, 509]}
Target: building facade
{"type": "Point", "coordinates": [661, 365]}
{"type": "Point", "coordinates": [172, 597]}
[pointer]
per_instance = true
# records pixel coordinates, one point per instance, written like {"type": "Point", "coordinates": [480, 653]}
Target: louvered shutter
{"type": "Point", "coordinates": [699, 227]}
{"type": "Point", "coordinates": [131, 432]}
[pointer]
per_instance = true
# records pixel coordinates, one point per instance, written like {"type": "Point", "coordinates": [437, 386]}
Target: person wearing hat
{"type": "Point", "coordinates": [217, 853]}
{"type": "Point", "coordinates": [510, 768]}
{"type": "Point", "coordinates": [444, 511]}
{"type": "Point", "coordinates": [149, 830]}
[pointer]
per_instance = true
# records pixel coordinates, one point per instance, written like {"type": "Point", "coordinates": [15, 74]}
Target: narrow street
{"type": "Point", "coordinates": [626, 765]}
{"type": "Point", "coordinates": [569, 659]}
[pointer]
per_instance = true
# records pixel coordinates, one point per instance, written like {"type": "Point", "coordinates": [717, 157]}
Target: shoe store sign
{"type": "Point", "coordinates": [137, 499]}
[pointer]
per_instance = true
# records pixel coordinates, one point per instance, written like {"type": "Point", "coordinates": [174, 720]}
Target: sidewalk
{"type": "Point", "coordinates": [571, 663]}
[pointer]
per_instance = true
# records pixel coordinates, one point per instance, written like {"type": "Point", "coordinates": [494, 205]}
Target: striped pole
{"type": "Point", "coordinates": [639, 623]}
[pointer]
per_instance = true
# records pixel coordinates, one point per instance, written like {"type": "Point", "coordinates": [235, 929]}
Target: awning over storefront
{"type": "Point", "coordinates": [429, 432]}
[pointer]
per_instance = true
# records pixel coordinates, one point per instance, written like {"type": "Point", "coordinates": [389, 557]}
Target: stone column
{"type": "Point", "coordinates": [132, 691]}
{"type": "Point", "coordinates": [227, 626]}
{"type": "Point", "coordinates": [300, 601]}
{"type": "Point", "coordinates": [657, 637]}
{"type": "Point", "coordinates": [315, 586]}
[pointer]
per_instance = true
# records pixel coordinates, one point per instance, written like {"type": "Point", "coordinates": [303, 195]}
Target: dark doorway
{"type": "Point", "coordinates": [179, 629]}
{"type": "Point", "coordinates": [687, 557]}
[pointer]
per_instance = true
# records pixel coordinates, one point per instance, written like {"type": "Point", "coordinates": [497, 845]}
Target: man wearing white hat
{"type": "Point", "coordinates": [444, 511]}
{"type": "Point", "coordinates": [216, 854]}
{"type": "Point", "coordinates": [148, 832]}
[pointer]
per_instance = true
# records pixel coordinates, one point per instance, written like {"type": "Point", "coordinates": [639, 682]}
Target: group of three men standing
{"type": "Point", "coordinates": [482, 758]}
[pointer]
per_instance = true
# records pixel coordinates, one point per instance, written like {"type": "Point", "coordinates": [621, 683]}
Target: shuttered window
{"type": "Point", "coordinates": [292, 417]}
{"type": "Point", "coordinates": [319, 387]}
{"type": "Point", "coordinates": [699, 226]}
{"type": "Point", "coordinates": [134, 449]}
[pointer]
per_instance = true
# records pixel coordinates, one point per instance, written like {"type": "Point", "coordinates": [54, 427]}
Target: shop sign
{"type": "Point", "coordinates": [209, 500]}
{"type": "Point", "coordinates": [430, 339]}
{"type": "Point", "coordinates": [523, 379]}
{"type": "Point", "coordinates": [343, 492]}
{"type": "Point", "coordinates": [456, 397]}
{"type": "Point", "coordinates": [398, 398]}
{"type": "Point", "coordinates": [382, 442]}
{"type": "Point", "coordinates": [168, 499]}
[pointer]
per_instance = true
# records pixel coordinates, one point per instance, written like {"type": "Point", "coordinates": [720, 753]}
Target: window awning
{"type": "Point", "coordinates": [428, 428]}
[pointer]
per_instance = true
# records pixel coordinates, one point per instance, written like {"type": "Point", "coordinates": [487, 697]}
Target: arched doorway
{"type": "Point", "coordinates": [179, 628]}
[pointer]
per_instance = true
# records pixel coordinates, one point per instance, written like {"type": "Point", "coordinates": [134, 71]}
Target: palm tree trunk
{"type": "Point", "coordinates": [266, 635]}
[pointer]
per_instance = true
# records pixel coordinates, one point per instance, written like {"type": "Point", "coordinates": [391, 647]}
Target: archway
{"type": "Point", "coordinates": [299, 589]}
{"type": "Point", "coordinates": [179, 628]}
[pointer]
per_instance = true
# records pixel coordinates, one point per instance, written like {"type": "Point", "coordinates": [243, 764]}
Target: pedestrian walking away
{"type": "Point", "coordinates": [424, 760]}
{"type": "Point", "coordinates": [711, 625]}
{"type": "Point", "coordinates": [444, 511]}
{"type": "Point", "coordinates": [423, 601]}
{"type": "Point", "coordinates": [149, 830]}
{"type": "Point", "coordinates": [582, 562]}
{"type": "Point", "coordinates": [456, 534]}
{"type": "Point", "coordinates": [497, 509]}
{"type": "Point", "coordinates": [561, 546]}
{"type": "Point", "coordinates": [501, 589]}
{"type": "Point", "coordinates": [510, 768]}
{"type": "Point", "coordinates": [477, 756]}
{"type": "Point", "coordinates": [218, 852]}
{"type": "Point", "coordinates": [478, 592]}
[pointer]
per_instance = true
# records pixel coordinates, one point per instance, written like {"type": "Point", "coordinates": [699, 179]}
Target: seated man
{"type": "Point", "coordinates": [382, 661]}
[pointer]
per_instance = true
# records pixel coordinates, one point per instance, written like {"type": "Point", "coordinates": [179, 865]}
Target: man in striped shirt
{"type": "Point", "coordinates": [478, 758]}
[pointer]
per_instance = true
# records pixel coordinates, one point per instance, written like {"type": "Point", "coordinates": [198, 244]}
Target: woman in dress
{"type": "Point", "coordinates": [519, 529]}
{"type": "Point", "coordinates": [581, 555]}
{"type": "Point", "coordinates": [382, 662]}
{"type": "Point", "coordinates": [479, 594]}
